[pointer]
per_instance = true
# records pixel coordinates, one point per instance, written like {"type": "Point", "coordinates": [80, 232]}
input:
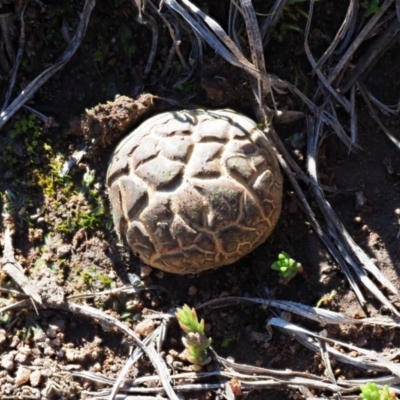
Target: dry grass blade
{"type": "Point", "coordinates": [380, 45]}
{"type": "Point", "coordinates": [350, 250]}
{"type": "Point", "coordinates": [323, 316]}
{"type": "Point", "coordinates": [398, 10]}
{"type": "Point", "coordinates": [8, 263]}
{"type": "Point", "coordinates": [131, 360]}
{"type": "Point", "coordinates": [385, 109]}
{"type": "Point", "coordinates": [15, 270]}
{"type": "Point", "coordinates": [276, 377]}
{"type": "Point", "coordinates": [358, 40]}
{"type": "Point", "coordinates": [17, 62]}
{"type": "Point", "coordinates": [109, 322]}
{"type": "Point", "coordinates": [324, 116]}
{"type": "Point", "coordinates": [327, 362]}
{"type": "Point", "coordinates": [154, 42]}
{"type": "Point", "coordinates": [215, 36]}
{"type": "Point", "coordinates": [127, 289]}
{"type": "Point", "coordinates": [353, 115]}
{"type": "Point", "coordinates": [7, 30]}
{"type": "Point", "coordinates": [368, 359]}
{"type": "Point", "coordinates": [335, 252]}
{"type": "Point", "coordinates": [174, 32]}
{"type": "Point", "coordinates": [271, 20]}
{"type": "Point", "coordinates": [346, 28]}
{"type": "Point", "coordinates": [362, 90]}
{"type": "Point", "coordinates": [35, 85]}
{"type": "Point", "coordinates": [255, 43]}
{"type": "Point", "coordinates": [340, 99]}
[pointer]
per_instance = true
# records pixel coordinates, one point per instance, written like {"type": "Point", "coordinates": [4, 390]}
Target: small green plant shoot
{"type": "Point", "coordinates": [371, 391]}
{"type": "Point", "coordinates": [195, 342]}
{"type": "Point", "coordinates": [286, 266]}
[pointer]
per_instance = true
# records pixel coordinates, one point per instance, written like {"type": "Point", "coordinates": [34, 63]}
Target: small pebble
{"type": "Point", "coordinates": [50, 332]}
{"type": "Point", "coordinates": [3, 336]}
{"type": "Point", "coordinates": [35, 378]}
{"type": "Point", "coordinates": [73, 355]}
{"type": "Point", "coordinates": [48, 351]}
{"type": "Point", "coordinates": [21, 358]}
{"type": "Point", "coordinates": [22, 376]}
{"type": "Point", "coordinates": [7, 388]}
{"type": "Point", "coordinates": [7, 361]}
{"type": "Point", "coordinates": [97, 367]}
{"type": "Point", "coordinates": [63, 250]}
{"type": "Point", "coordinates": [145, 327]}
{"type": "Point", "coordinates": [57, 324]}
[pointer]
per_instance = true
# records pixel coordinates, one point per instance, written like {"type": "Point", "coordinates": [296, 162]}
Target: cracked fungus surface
{"type": "Point", "coordinates": [194, 190]}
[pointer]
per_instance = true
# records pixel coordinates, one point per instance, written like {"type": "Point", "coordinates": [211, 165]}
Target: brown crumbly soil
{"type": "Point", "coordinates": [64, 231]}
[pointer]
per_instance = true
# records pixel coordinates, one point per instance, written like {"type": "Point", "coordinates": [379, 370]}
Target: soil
{"type": "Point", "coordinates": [64, 228]}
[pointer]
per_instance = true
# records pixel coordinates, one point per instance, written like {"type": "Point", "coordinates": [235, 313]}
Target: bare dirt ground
{"type": "Point", "coordinates": [64, 236]}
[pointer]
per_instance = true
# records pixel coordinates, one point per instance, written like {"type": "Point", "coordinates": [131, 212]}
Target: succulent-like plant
{"type": "Point", "coordinates": [286, 266]}
{"type": "Point", "coordinates": [196, 343]}
{"type": "Point", "coordinates": [371, 391]}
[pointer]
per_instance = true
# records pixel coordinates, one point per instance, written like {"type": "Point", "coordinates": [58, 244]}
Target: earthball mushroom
{"type": "Point", "coordinates": [195, 189]}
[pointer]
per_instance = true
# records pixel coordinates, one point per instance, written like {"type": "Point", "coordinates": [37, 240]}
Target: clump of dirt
{"type": "Point", "coordinates": [104, 124]}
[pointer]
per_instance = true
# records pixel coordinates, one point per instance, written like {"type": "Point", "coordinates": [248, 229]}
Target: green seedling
{"type": "Point", "coordinates": [286, 266]}
{"type": "Point", "coordinates": [196, 343]}
{"type": "Point", "coordinates": [371, 391]}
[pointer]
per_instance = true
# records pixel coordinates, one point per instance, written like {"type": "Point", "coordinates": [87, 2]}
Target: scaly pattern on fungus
{"type": "Point", "coordinates": [193, 190]}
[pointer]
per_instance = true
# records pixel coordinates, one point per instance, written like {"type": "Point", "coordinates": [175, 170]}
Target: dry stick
{"type": "Point", "coordinates": [31, 89]}
{"type": "Point", "coordinates": [358, 40]}
{"type": "Point", "coordinates": [348, 21]}
{"type": "Point", "coordinates": [373, 114]}
{"type": "Point", "coordinates": [376, 50]}
{"type": "Point", "coordinates": [17, 62]}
